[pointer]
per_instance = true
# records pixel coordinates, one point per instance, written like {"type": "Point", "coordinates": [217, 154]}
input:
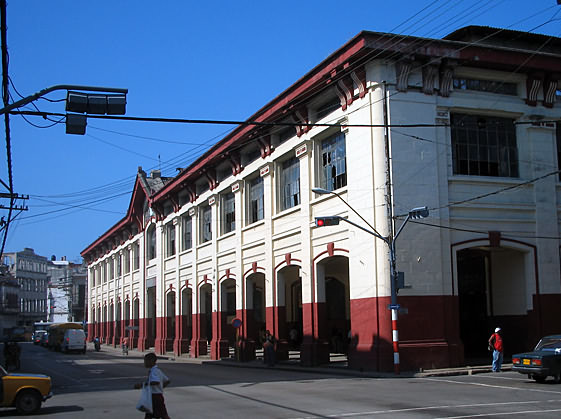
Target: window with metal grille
{"type": "Point", "coordinates": [206, 224]}
{"type": "Point", "coordinates": [491, 86]}
{"type": "Point", "coordinates": [483, 146]}
{"type": "Point", "coordinates": [228, 213]}
{"type": "Point", "coordinates": [333, 165]}
{"type": "Point", "coordinates": [256, 204]}
{"type": "Point", "coordinates": [186, 232]}
{"type": "Point", "coordinates": [290, 183]}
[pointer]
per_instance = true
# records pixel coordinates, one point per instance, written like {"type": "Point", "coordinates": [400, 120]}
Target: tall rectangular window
{"type": "Point", "coordinates": [151, 243]}
{"type": "Point", "coordinates": [333, 165]}
{"type": "Point", "coordinates": [119, 261]}
{"type": "Point", "coordinates": [186, 232]}
{"type": "Point", "coordinates": [126, 261]}
{"type": "Point", "coordinates": [111, 267]}
{"type": "Point", "coordinates": [289, 183]}
{"type": "Point", "coordinates": [255, 207]}
{"type": "Point", "coordinates": [483, 146]}
{"type": "Point", "coordinates": [170, 239]}
{"type": "Point", "coordinates": [135, 256]}
{"type": "Point", "coordinates": [206, 224]}
{"type": "Point", "coordinates": [228, 212]}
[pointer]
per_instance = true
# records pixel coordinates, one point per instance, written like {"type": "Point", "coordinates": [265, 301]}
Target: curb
{"type": "Point", "coordinates": [327, 370]}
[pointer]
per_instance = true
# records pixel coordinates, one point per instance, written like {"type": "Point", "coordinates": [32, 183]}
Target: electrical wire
{"type": "Point", "coordinates": [431, 4]}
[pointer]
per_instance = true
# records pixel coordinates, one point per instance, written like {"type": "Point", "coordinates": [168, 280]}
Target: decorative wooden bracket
{"type": "Point", "coordinates": [300, 116]}
{"type": "Point", "coordinates": [210, 175]}
{"type": "Point", "coordinates": [265, 146]}
{"type": "Point", "coordinates": [533, 85]}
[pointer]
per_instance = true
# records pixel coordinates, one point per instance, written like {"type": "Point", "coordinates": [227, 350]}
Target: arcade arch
{"type": "Point", "coordinates": [495, 286]}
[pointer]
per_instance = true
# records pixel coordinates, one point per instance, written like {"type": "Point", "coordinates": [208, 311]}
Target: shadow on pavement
{"type": "Point", "coordinates": [44, 411]}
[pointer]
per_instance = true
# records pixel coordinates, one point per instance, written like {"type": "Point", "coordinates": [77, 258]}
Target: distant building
{"type": "Point", "coordinates": [9, 301]}
{"type": "Point", "coordinates": [30, 273]}
{"type": "Point", "coordinates": [66, 291]}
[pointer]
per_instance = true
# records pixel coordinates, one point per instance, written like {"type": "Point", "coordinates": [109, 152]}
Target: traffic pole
{"type": "Point", "coordinates": [395, 341]}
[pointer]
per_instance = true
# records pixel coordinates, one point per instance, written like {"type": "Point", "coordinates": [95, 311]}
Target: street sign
{"type": "Point", "coordinates": [393, 306]}
{"type": "Point", "coordinates": [131, 328]}
{"type": "Point", "coordinates": [236, 323]}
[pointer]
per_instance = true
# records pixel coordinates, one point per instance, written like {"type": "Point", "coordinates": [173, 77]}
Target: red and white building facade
{"type": "Point", "coordinates": [465, 125]}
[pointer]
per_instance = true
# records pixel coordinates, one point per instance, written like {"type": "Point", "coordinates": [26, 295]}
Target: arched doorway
{"type": "Point", "coordinates": [255, 322]}
{"type": "Point", "coordinates": [185, 328]}
{"type": "Point", "coordinates": [202, 327]}
{"type": "Point", "coordinates": [127, 321]}
{"type": "Point", "coordinates": [224, 332]}
{"type": "Point", "coordinates": [334, 322]}
{"type": "Point", "coordinates": [110, 323]}
{"type": "Point", "coordinates": [99, 323]}
{"type": "Point", "coordinates": [495, 287]}
{"type": "Point", "coordinates": [289, 309]}
{"type": "Point", "coordinates": [170, 321]}
{"type": "Point", "coordinates": [104, 325]}
{"type": "Point", "coordinates": [150, 317]}
{"type": "Point", "coordinates": [118, 324]}
{"type": "Point", "coordinates": [135, 322]}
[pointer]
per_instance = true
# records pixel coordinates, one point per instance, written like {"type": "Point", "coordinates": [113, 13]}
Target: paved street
{"type": "Point", "coordinates": [99, 385]}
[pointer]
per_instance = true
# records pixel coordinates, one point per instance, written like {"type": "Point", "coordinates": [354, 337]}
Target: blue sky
{"type": "Point", "coordinates": [183, 59]}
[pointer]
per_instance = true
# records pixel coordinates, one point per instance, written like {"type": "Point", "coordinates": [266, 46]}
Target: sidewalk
{"type": "Point", "coordinates": [339, 367]}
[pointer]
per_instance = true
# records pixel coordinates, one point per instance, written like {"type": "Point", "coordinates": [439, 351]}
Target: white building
{"type": "Point", "coordinates": [471, 133]}
{"type": "Point", "coordinates": [66, 291]}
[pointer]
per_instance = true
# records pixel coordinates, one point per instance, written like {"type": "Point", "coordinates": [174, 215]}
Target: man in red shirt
{"type": "Point", "coordinates": [496, 342]}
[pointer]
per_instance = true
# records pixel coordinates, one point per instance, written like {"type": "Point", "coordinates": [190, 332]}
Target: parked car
{"type": "Point", "coordinates": [23, 391]}
{"type": "Point", "coordinates": [544, 361]}
{"type": "Point", "coordinates": [74, 340]}
{"type": "Point", "coordinates": [37, 335]}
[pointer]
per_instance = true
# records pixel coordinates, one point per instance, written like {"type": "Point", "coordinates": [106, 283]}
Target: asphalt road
{"type": "Point", "coordinates": [100, 385]}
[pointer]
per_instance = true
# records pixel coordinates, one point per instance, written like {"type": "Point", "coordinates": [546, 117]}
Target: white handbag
{"type": "Point", "coordinates": [145, 402]}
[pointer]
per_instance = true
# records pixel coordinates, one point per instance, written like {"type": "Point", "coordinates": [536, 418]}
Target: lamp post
{"type": "Point", "coordinates": [419, 212]}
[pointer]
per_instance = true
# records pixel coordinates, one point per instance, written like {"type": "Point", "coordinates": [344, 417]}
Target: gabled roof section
{"type": "Point", "coordinates": [144, 188]}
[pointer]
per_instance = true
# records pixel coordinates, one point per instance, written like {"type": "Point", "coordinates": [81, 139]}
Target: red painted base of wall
{"type": "Point", "coordinates": [219, 349]}
{"type": "Point", "coordinates": [180, 347]}
{"type": "Point", "coordinates": [245, 350]}
{"type": "Point", "coordinates": [428, 334]}
{"type": "Point", "coordinates": [198, 347]}
{"type": "Point", "coordinates": [314, 353]}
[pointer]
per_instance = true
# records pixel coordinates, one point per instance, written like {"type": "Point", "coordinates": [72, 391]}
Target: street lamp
{"type": "Point", "coordinates": [415, 213]}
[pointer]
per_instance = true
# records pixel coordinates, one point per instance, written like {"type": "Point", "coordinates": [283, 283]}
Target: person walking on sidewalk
{"type": "Point", "coordinates": [157, 380]}
{"type": "Point", "coordinates": [496, 344]}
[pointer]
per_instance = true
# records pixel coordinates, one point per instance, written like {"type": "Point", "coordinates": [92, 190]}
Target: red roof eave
{"type": "Point", "coordinates": [137, 189]}
{"type": "Point", "coordinates": [272, 110]}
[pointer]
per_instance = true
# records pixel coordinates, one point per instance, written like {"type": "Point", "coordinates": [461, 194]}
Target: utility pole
{"type": "Point", "coordinates": [391, 237]}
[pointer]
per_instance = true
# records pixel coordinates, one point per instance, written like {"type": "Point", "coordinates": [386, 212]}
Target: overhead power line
{"type": "Point", "coordinates": [229, 122]}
